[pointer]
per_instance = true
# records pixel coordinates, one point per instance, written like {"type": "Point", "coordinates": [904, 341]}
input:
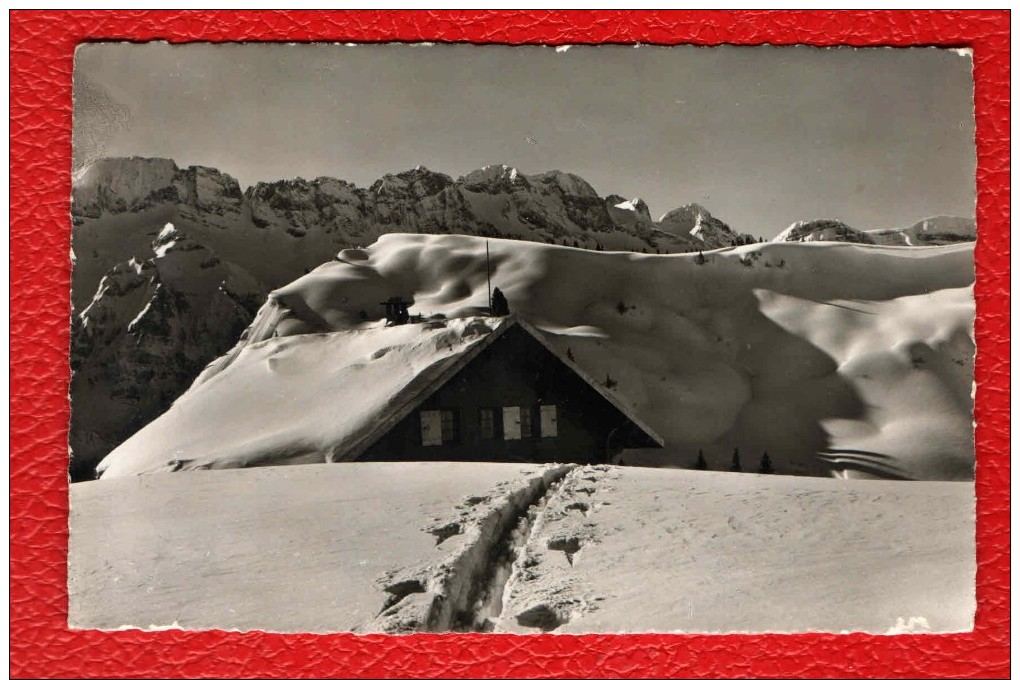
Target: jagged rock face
{"type": "Point", "coordinates": [823, 230]}
{"type": "Point", "coordinates": [150, 328]}
{"type": "Point", "coordinates": [499, 201]}
{"type": "Point", "coordinates": [306, 221]}
{"type": "Point", "coordinates": [495, 179]}
{"type": "Point", "coordinates": [209, 190]}
{"type": "Point", "coordinates": [119, 185]}
{"type": "Point", "coordinates": [412, 184]}
{"type": "Point", "coordinates": [116, 185]}
{"type": "Point", "coordinates": [297, 206]}
{"type": "Point", "coordinates": [581, 203]}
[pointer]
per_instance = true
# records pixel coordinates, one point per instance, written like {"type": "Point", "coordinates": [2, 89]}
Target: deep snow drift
{"type": "Point", "coordinates": [636, 549]}
{"type": "Point", "coordinates": [834, 358]}
{"type": "Point", "coordinates": [403, 547]}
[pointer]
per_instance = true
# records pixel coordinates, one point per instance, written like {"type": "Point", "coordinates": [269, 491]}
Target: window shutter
{"type": "Point", "coordinates": [511, 422]}
{"type": "Point", "coordinates": [431, 428]}
{"type": "Point", "coordinates": [549, 425]}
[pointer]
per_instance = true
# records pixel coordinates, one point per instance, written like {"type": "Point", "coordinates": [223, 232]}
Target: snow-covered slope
{"type": "Point", "coordinates": [832, 357]}
{"type": "Point", "coordinates": [639, 550]}
{"type": "Point", "coordinates": [405, 547]}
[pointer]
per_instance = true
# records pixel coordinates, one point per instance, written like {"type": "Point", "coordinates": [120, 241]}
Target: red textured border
{"type": "Point", "coordinates": [42, 46]}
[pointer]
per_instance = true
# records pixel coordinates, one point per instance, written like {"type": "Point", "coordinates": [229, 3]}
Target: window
{"type": "Point", "coordinates": [487, 423]}
{"type": "Point", "coordinates": [548, 422]}
{"type": "Point", "coordinates": [439, 427]}
{"type": "Point", "coordinates": [451, 428]}
{"type": "Point", "coordinates": [525, 422]}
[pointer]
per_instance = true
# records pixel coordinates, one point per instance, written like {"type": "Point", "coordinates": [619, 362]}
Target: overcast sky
{"type": "Point", "coordinates": [761, 136]}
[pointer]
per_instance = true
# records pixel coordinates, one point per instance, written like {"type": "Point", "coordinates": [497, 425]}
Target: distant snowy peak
{"type": "Point", "coordinates": [690, 215]}
{"type": "Point", "coordinates": [695, 221]}
{"type": "Point", "coordinates": [937, 230]}
{"type": "Point", "coordinates": [494, 179]}
{"type": "Point", "coordinates": [947, 224]}
{"type": "Point", "coordinates": [940, 230]}
{"type": "Point", "coordinates": [822, 230]}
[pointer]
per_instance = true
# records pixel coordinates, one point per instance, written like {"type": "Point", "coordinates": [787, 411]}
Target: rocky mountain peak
{"type": "Point", "coordinates": [689, 213]}
{"type": "Point", "coordinates": [494, 179]}
{"type": "Point", "coordinates": [416, 183]}
{"type": "Point", "coordinates": [566, 184]}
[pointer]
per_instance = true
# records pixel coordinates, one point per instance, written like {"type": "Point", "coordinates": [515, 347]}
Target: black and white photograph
{"type": "Point", "coordinates": [452, 338]}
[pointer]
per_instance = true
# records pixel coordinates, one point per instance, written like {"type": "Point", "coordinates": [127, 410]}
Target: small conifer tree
{"type": "Point", "coordinates": [765, 468]}
{"type": "Point", "coordinates": [500, 306]}
{"type": "Point", "coordinates": [735, 465]}
{"type": "Point", "coordinates": [702, 464]}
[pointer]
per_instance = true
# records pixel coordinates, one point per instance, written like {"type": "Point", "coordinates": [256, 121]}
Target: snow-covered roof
{"type": "Point", "coordinates": [318, 397]}
{"type": "Point", "coordinates": [416, 394]}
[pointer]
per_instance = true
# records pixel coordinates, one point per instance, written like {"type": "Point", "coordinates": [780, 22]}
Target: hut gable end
{"type": "Point", "coordinates": [511, 397]}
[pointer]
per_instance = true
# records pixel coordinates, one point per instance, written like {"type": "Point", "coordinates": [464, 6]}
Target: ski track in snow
{"type": "Point", "coordinates": [519, 549]}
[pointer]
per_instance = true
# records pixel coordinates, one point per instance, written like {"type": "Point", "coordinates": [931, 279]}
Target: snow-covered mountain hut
{"type": "Point", "coordinates": [510, 397]}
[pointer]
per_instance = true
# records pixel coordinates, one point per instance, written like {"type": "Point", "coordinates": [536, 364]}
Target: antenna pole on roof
{"type": "Point", "coordinates": [488, 278]}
